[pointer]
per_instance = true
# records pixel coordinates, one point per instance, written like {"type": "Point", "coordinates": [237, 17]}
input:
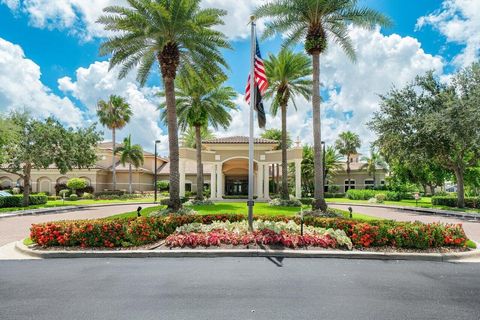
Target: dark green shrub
{"type": "Point", "coordinates": [17, 200]}
{"type": "Point", "coordinates": [334, 195]}
{"type": "Point", "coordinates": [448, 201]}
{"type": "Point", "coordinates": [162, 185]}
{"type": "Point", "coordinates": [356, 194]}
{"type": "Point", "coordinates": [73, 197]}
{"type": "Point", "coordinates": [306, 201]}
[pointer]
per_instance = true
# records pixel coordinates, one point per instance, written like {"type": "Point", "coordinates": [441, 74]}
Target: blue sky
{"type": "Point", "coordinates": [51, 63]}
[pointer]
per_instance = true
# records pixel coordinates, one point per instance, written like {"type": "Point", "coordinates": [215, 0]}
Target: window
{"type": "Point", "coordinates": [369, 184]}
{"type": "Point", "coordinates": [351, 186]}
{"type": "Point", "coordinates": [188, 187]}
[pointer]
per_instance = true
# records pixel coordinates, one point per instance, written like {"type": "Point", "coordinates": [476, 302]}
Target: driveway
{"type": "Point", "coordinates": [17, 228]}
{"type": "Point", "coordinates": [472, 229]}
{"type": "Point", "coordinates": [237, 288]}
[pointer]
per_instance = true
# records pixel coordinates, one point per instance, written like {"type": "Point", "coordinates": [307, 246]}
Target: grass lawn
{"type": "Point", "coordinates": [424, 202]}
{"type": "Point", "coordinates": [262, 209]}
{"type": "Point", "coordinates": [61, 203]}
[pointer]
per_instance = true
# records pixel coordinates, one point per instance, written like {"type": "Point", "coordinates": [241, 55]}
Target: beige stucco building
{"type": "Point", "coordinates": [225, 163]}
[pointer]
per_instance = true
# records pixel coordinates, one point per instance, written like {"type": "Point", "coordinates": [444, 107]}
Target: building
{"type": "Point", "coordinates": [225, 170]}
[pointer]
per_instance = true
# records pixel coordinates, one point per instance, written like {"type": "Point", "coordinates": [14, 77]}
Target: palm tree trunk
{"type": "Point", "coordinates": [198, 144]}
{"type": "Point", "coordinates": [114, 178]}
{"type": "Point", "coordinates": [174, 186]}
{"type": "Point", "coordinates": [130, 178]}
{"type": "Point", "coordinates": [319, 201]}
{"type": "Point", "coordinates": [348, 171]}
{"type": "Point", "coordinates": [285, 195]}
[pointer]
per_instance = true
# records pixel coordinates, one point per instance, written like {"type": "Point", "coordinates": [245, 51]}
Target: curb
{"type": "Point", "coordinates": [58, 210]}
{"type": "Point", "coordinates": [222, 253]}
{"type": "Point", "coordinates": [427, 211]}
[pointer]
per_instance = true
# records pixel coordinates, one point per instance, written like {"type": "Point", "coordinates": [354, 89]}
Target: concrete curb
{"type": "Point", "coordinates": [427, 211]}
{"type": "Point", "coordinates": [58, 210]}
{"type": "Point", "coordinates": [217, 253]}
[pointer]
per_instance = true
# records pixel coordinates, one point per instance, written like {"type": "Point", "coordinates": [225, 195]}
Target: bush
{"type": "Point", "coordinates": [366, 194]}
{"type": "Point", "coordinates": [138, 231]}
{"type": "Point", "coordinates": [306, 201]}
{"type": "Point", "coordinates": [76, 183]}
{"type": "Point", "coordinates": [59, 187]}
{"type": "Point", "coordinates": [87, 189]}
{"type": "Point", "coordinates": [194, 202]}
{"type": "Point", "coordinates": [162, 185]}
{"type": "Point", "coordinates": [292, 202]}
{"type": "Point", "coordinates": [355, 194]}
{"type": "Point", "coordinates": [64, 193]}
{"type": "Point", "coordinates": [53, 198]}
{"type": "Point", "coordinates": [17, 201]}
{"type": "Point", "coordinates": [470, 202]}
{"type": "Point", "coordinates": [73, 197]}
{"type": "Point", "coordinates": [380, 197]}
{"type": "Point", "coordinates": [87, 195]}
{"type": "Point", "coordinates": [334, 195]}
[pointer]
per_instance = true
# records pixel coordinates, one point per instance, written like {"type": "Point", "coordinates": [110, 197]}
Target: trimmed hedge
{"type": "Point", "coordinates": [448, 201]}
{"type": "Point", "coordinates": [366, 194]}
{"type": "Point", "coordinates": [17, 200]}
{"type": "Point", "coordinates": [104, 194]}
{"type": "Point", "coordinates": [139, 231]}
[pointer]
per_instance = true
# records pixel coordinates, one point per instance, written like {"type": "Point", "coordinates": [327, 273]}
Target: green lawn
{"type": "Point", "coordinates": [262, 209]}
{"type": "Point", "coordinates": [424, 202]}
{"type": "Point", "coordinates": [61, 203]}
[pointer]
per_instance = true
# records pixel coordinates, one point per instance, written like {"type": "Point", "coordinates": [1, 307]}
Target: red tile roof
{"type": "Point", "coordinates": [239, 140]}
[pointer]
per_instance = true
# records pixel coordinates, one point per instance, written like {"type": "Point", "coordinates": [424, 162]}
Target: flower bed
{"type": "Point", "coordinates": [141, 231]}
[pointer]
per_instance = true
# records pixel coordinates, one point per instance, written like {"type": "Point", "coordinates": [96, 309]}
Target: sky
{"type": "Point", "coordinates": [50, 66]}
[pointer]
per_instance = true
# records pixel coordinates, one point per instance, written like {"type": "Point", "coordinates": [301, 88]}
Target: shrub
{"type": "Point", "coordinates": [470, 202]}
{"type": "Point", "coordinates": [52, 198]}
{"type": "Point", "coordinates": [64, 193]}
{"type": "Point", "coordinates": [354, 194]}
{"type": "Point", "coordinates": [163, 185]}
{"type": "Point", "coordinates": [76, 183]}
{"type": "Point", "coordinates": [59, 187]}
{"type": "Point", "coordinates": [194, 202]}
{"type": "Point", "coordinates": [292, 202]}
{"type": "Point", "coordinates": [73, 197]}
{"type": "Point", "coordinates": [334, 195]}
{"type": "Point", "coordinates": [87, 189]}
{"type": "Point", "coordinates": [380, 197]}
{"type": "Point", "coordinates": [87, 195]}
{"type": "Point", "coordinates": [17, 200]}
{"type": "Point", "coordinates": [306, 201]}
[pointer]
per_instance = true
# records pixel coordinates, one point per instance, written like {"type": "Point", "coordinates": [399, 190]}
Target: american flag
{"type": "Point", "coordinates": [261, 85]}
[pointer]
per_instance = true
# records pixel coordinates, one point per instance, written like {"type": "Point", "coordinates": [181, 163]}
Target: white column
{"type": "Point", "coordinates": [182, 177]}
{"type": "Point", "coordinates": [260, 181]}
{"type": "Point", "coordinates": [298, 179]}
{"type": "Point", "coordinates": [266, 178]}
{"type": "Point", "coordinates": [219, 181]}
{"type": "Point", "coordinates": [213, 182]}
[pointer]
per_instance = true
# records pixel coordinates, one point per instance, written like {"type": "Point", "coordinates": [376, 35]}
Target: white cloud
{"type": "Point", "coordinates": [96, 82]}
{"type": "Point", "coordinates": [352, 88]}
{"type": "Point", "coordinates": [21, 88]}
{"type": "Point", "coordinates": [79, 16]}
{"type": "Point", "coordinates": [459, 22]}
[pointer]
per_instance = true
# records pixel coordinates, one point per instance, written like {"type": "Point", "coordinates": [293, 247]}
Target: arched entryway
{"type": "Point", "coordinates": [6, 183]}
{"type": "Point", "coordinates": [235, 173]}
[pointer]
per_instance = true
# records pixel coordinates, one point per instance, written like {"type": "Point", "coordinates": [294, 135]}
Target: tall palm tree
{"type": "Point", "coordinates": [316, 23]}
{"type": "Point", "coordinates": [131, 154]}
{"type": "Point", "coordinates": [374, 161]}
{"type": "Point", "coordinates": [276, 134]}
{"type": "Point", "coordinates": [114, 114]}
{"type": "Point", "coordinates": [174, 34]}
{"type": "Point", "coordinates": [200, 103]}
{"type": "Point", "coordinates": [189, 137]}
{"type": "Point", "coordinates": [347, 145]}
{"type": "Point", "coordinates": [332, 162]}
{"type": "Point", "coordinates": [287, 74]}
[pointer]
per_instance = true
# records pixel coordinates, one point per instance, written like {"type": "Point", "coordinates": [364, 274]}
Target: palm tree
{"type": "Point", "coordinates": [200, 103]}
{"type": "Point", "coordinates": [287, 74]}
{"type": "Point", "coordinates": [276, 134]}
{"type": "Point", "coordinates": [374, 161]}
{"type": "Point", "coordinates": [114, 114]}
{"type": "Point", "coordinates": [316, 23]}
{"type": "Point", "coordinates": [131, 154]}
{"type": "Point", "coordinates": [189, 136]}
{"type": "Point", "coordinates": [173, 33]}
{"type": "Point", "coordinates": [347, 145]}
{"type": "Point", "coordinates": [332, 162]}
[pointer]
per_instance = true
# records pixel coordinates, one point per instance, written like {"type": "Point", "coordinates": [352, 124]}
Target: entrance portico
{"type": "Point", "coordinates": [228, 162]}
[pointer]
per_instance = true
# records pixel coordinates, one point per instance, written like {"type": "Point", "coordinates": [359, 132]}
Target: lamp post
{"type": "Point", "coordinates": [155, 177]}
{"type": "Point", "coordinates": [323, 164]}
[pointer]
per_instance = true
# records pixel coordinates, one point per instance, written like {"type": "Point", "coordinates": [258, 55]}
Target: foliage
{"type": "Point", "coordinates": [372, 163]}
{"type": "Point", "coordinates": [127, 232]}
{"type": "Point", "coordinates": [380, 197]}
{"type": "Point", "coordinates": [64, 193]}
{"type": "Point", "coordinates": [430, 119]}
{"type": "Point", "coordinates": [366, 194]}
{"type": "Point", "coordinates": [17, 200]}
{"type": "Point", "coordinates": [449, 201]}
{"type": "Point", "coordinates": [114, 113]}
{"type": "Point", "coordinates": [188, 136]}
{"type": "Point", "coordinates": [131, 154]}
{"type": "Point", "coordinates": [276, 134]}
{"type": "Point", "coordinates": [168, 211]}
{"type": "Point", "coordinates": [32, 149]}
{"type": "Point", "coordinates": [292, 202]}
{"type": "Point", "coordinates": [199, 203]}
{"type": "Point", "coordinates": [162, 185]}
{"type": "Point", "coordinates": [76, 183]}
{"type": "Point", "coordinates": [73, 197]}
{"type": "Point", "coordinates": [87, 195]}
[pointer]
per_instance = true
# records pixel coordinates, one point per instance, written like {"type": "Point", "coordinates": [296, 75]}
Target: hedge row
{"type": "Point", "coordinates": [366, 194]}
{"type": "Point", "coordinates": [448, 201]}
{"type": "Point", "coordinates": [17, 200]}
{"type": "Point", "coordinates": [139, 231]}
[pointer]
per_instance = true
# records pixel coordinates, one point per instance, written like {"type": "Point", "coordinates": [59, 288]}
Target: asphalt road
{"type": "Point", "coordinates": [18, 228]}
{"type": "Point", "coordinates": [237, 288]}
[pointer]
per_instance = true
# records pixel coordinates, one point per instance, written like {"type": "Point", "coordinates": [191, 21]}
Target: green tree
{"type": "Point", "coordinates": [201, 103]}
{"type": "Point", "coordinates": [173, 33]}
{"type": "Point", "coordinates": [41, 144]}
{"type": "Point", "coordinates": [189, 136]}
{"type": "Point", "coordinates": [276, 134]}
{"type": "Point", "coordinates": [131, 154]}
{"type": "Point", "coordinates": [347, 144]}
{"type": "Point", "coordinates": [307, 171]}
{"type": "Point", "coordinates": [332, 163]}
{"type": "Point", "coordinates": [9, 133]}
{"type": "Point", "coordinates": [76, 183]}
{"type": "Point", "coordinates": [316, 23]}
{"type": "Point", "coordinates": [429, 120]}
{"type": "Point", "coordinates": [287, 74]}
{"type": "Point", "coordinates": [114, 114]}
{"type": "Point", "coordinates": [372, 163]}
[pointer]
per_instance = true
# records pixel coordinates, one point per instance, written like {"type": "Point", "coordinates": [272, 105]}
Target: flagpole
{"type": "Point", "coordinates": [250, 137]}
